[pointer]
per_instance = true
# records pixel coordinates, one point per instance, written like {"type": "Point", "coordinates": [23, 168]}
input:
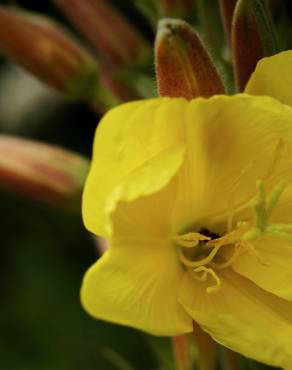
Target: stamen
{"type": "Point", "coordinates": [229, 262]}
{"type": "Point", "coordinates": [201, 262]}
{"type": "Point", "coordinates": [190, 240]}
{"type": "Point", "coordinates": [205, 272]}
{"type": "Point", "coordinates": [253, 252]}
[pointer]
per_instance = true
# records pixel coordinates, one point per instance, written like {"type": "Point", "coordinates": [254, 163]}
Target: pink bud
{"type": "Point", "coordinates": [115, 38]}
{"type": "Point", "coordinates": [47, 51]}
{"type": "Point", "coordinates": [40, 171]}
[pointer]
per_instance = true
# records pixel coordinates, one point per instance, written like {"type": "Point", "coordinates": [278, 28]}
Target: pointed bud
{"type": "Point", "coordinates": [183, 66]}
{"type": "Point", "coordinates": [107, 30]}
{"type": "Point", "coordinates": [43, 172]}
{"type": "Point", "coordinates": [43, 48]}
{"type": "Point", "coordinates": [252, 37]}
{"type": "Point", "coordinates": [176, 8]}
{"type": "Point", "coordinates": [227, 9]}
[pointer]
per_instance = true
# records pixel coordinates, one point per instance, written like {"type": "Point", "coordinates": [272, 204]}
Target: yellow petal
{"type": "Point", "coordinates": [135, 283]}
{"type": "Point", "coordinates": [272, 77]}
{"type": "Point", "coordinates": [242, 317]}
{"type": "Point", "coordinates": [128, 137]}
{"type": "Point", "coordinates": [231, 142]}
{"type": "Point", "coordinates": [270, 268]}
{"type": "Point", "coordinates": [149, 217]}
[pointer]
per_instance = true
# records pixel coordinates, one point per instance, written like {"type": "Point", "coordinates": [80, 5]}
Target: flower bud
{"type": "Point", "coordinates": [43, 48]}
{"type": "Point", "coordinates": [252, 38]}
{"type": "Point", "coordinates": [107, 30]}
{"type": "Point", "coordinates": [40, 171]}
{"type": "Point", "coordinates": [183, 66]}
{"type": "Point", "coordinates": [227, 9]}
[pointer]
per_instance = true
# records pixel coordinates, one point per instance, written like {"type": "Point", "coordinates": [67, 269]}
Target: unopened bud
{"type": "Point", "coordinates": [44, 49]}
{"type": "Point", "coordinates": [227, 9]}
{"type": "Point", "coordinates": [115, 38]}
{"type": "Point", "coordinates": [183, 66]}
{"type": "Point", "coordinates": [252, 38]}
{"type": "Point", "coordinates": [40, 171]}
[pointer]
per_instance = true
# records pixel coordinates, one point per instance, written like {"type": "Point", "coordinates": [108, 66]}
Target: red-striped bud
{"type": "Point", "coordinates": [252, 37]}
{"type": "Point", "coordinates": [108, 31]}
{"type": "Point", "coordinates": [183, 66]}
{"type": "Point", "coordinates": [47, 51]}
{"type": "Point", "coordinates": [40, 171]}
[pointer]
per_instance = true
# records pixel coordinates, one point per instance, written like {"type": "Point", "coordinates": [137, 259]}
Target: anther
{"type": "Point", "coordinates": [190, 240]}
{"type": "Point", "coordinates": [205, 272]}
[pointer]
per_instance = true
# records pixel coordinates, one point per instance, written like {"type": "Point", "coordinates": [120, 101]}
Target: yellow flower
{"type": "Point", "coordinates": [195, 198]}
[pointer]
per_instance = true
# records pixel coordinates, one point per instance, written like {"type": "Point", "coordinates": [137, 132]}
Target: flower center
{"type": "Point", "coordinates": [204, 253]}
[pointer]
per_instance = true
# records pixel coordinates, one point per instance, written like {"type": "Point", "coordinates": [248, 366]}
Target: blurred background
{"type": "Point", "coordinates": [45, 250]}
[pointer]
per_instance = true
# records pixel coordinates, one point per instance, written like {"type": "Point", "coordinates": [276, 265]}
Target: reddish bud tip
{"type": "Point", "coordinates": [252, 38]}
{"type": "Point", "coordinates": [183, 66]}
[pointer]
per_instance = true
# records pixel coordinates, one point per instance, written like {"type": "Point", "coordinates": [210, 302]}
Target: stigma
{"type": "Point", "coordinates": [203, 254]}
